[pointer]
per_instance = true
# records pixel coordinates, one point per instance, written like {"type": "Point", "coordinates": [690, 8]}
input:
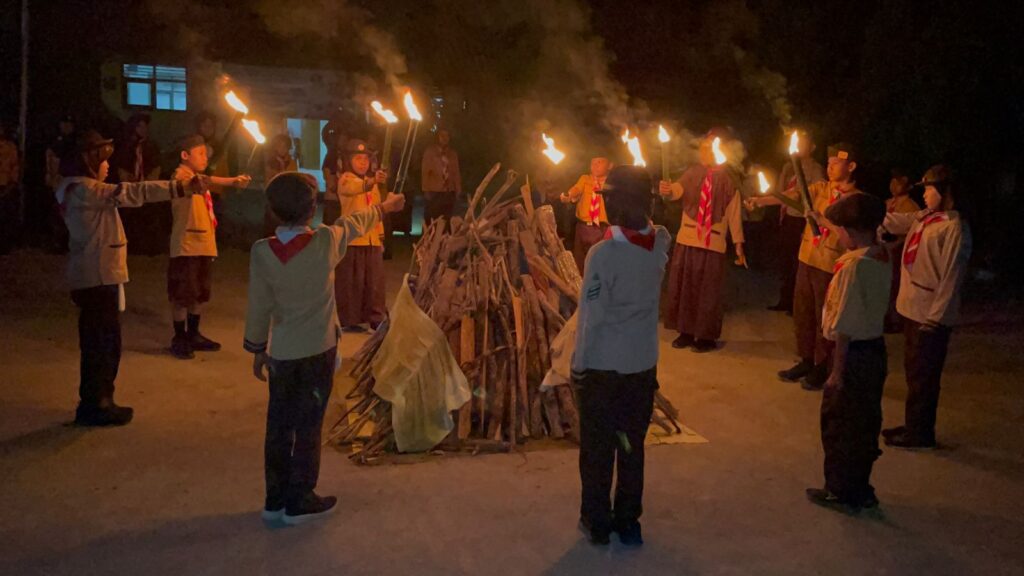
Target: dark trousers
{"type": "Point", "coordinates": [851, 419]}
{"type": "Point", "coordinates": [924, 358]}
{"type": "Point", "coordinates": [438, 205]}
{"type": "Point", "coordinates": [99, 339]}
{"type": "Point", "coordinates": [791, 228]}
{"type": "Point", "coordinates": [299, 391]}
{"type": "Point", "coordinates": [808, 301]}
{"type": "Point", "coordinates": [584, 239]}
{"type": "Point", "coordinates": [615, 411]}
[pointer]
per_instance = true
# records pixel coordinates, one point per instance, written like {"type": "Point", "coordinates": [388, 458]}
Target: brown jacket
{"type": "Point", "coordinates": [433, 170]}
{"type": "Point", "coordinates": [98, 248]}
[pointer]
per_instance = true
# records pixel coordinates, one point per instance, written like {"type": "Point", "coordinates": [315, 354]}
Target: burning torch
{"type": "Point", "coordinates": [240, 111]}
{"type": "Point", "coordinates": [253, 128]}
{"type": "Point", "coordinates": [801, 182]}
{"type": "Point", "coordinates": [664, 138]}
{"type": "Point", "coordinates": [410, 141]}
{"type": "Point", "coordinates": [633, 143]}
{"type": "Point", "coordinates": [390, 120]}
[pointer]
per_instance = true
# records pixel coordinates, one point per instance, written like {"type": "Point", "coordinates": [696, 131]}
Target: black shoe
{"type": "Point", "coordinates": [780, 307]}
{"type": "Point", "coordinates": [181, 348]}
{"type": "Point", "coordinates": [906, 440]}
{"type": "Point", "coordinates": [630, 534]}
{"type": "Point", "coordinates": [890, 432]}
{"type": "Point", "coordinates": [111, 415]}
{"type": "Point", "coordinates": [815, 380]}
{"type": "Point", "coordinates": [824, 498]}
{"type": "Point", "coordinates": [794, 374]}
{"type": "Point", "coordinates": [683, 341]}
{"type": "Point", "coordinates": [309, 508]}
{"type": "Point", "coordinates": [273, 510]}
{"type": "Point", "coordinates": [201, 343]}
{"type": "Point", "coordinates": [869, 503]}
{"type": "Point", "coordinates": [702, 346]}
{"type": "Point", "coordinates": [595, 535]}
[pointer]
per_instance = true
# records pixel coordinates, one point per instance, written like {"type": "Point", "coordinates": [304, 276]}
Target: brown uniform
{"type": "Point", "coordinates": [791, 228]}
{"type": "Point", "coordinates": [193, 246]}
{"type": "Point", "coordinates": [359, 277]}
{"type": "Point", "coordinates": [711, 208]}
{"type": "Point", "coordinates": [591, 218]}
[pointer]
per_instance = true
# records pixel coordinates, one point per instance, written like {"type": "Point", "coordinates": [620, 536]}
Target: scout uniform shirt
{"type": "Point", "coordinates": [291, 288]}
{"type": "Point", "coordinates": [813, 173]}
{"type": "Point", "coordinates": [617, 320]}
{"type": "Point", "coordinates": [934, 263]}
{"type": "Point", "coordinates": [194, 230]}
{"type": "Point", "coordinates": [823, 251]}
{"type": "Point", "coordinates": [858, 295]}
{"type": "Point", "coordinates": [589, 206]}
{"type": "Point", "coordinates": [354, 197]}
{"type": "Point", "coordinates": [97, 254]}
{"type": "Point", "coordinates": [711, 207]}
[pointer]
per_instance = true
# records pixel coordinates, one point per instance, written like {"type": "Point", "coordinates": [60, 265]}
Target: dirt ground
{"type": "Point", "coordinates": [179, 490]}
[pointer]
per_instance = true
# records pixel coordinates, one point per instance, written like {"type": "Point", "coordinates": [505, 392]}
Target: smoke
{"type": "Point", "coordinates": [769, 84]}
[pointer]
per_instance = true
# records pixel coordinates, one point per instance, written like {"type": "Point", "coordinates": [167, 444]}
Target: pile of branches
{"type": "Point", "coordinates": [500, 284]}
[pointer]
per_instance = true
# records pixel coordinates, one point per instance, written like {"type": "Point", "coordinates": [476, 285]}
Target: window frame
{"type": "Point", "coordinates": [152, 83]}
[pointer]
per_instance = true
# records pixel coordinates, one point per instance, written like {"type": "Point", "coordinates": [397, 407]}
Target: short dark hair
{"type": "Point", "coordinates": [857, 211]}
{"type": "Point", "coordinates": [191, 141]}
{"type": "Point", "coordinates": [628, 197]}
{"type": "Point", "coordinates": [292, 196]}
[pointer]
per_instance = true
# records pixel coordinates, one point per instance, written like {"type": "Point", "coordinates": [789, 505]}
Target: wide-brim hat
{"type": "Point", "coordinates": [93, 142]}
{"type": "Point", "coordinates": [937, 175]}
{"type": "Point", "coordinates": [357, 146]}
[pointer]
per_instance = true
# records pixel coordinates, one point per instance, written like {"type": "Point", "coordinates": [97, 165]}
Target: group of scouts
{"type": "Point", "coordinates": [308, 284]}
{"type": "Point", "coordinates": [863, 268]}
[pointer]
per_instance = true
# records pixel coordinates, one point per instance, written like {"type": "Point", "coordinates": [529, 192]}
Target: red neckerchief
{"type": "Point", "coordinates": [704, 219]}
{"type": "Point", "coordinates": [643, 240]}
{"type": "Point", "coordinates": [837, 194]}
{"type": "Point", "coordinates": [910, 252]}
{"type": "Point", "coordinates": [595, 202]}
{"type": "Point", "coordinates": [286, 252]}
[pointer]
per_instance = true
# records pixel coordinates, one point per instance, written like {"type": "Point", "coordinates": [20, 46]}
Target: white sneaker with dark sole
{"type": "Point", "coordinates": [326, 507]}
{"type": "Point", "coordinates": [272, 515]}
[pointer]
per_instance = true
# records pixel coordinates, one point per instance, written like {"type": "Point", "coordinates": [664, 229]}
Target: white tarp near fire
{"type": "Point", "coordinates": [417, 373]}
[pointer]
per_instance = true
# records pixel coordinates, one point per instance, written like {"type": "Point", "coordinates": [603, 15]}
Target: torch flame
{"type": "Point", "coordinates": [384, 113]}
{"type": "Point", "coordinates": [663, 136]}
{"type": "Point", "coordinates": [410, 107]}
{"type": "Point", "coordinates": [763, 182]}
{"type": "Point", "coordinates": [553, 154]}
{"type": "Point", "coordinates": [235, 102]}
{"type": "Point", "coordinates": [254, 128]}
{"type": "Point", "coordinates": [794, 143]}
{"type": "Point", "coordinates": [716, 147]}
{"type": "Point", "coordinates": [633, 143]}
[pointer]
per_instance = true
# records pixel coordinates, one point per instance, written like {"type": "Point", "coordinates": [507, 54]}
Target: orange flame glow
{"type": "Point", "coordinates": [794, 143]}
{"type": "Point", "coordinates": [633, 143]}
{"type": "Point", "coordinates": [553, 154]}
{"type": "Point", "coordinates": [763, 183]}
{"type": "Point", "coordinates": [716, 147]}
{"type": "Point", "coordinates": [384, 113]}
{"type": "Point", "coordinates": [410, 107]}
{"type": "Point", "coordinates": [253, 127]}
{"type": "Point", "coordinates": [235, 102]}
{"type": "Point", "coordinates": [663, 136]}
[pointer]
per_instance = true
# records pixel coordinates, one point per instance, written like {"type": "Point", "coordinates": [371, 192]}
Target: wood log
{"type": "Point", "coordinates": [480, 191]}
{"type": "Point", "coordinates": [537, 264]}
{"type": "Point", "coordinates": [552, 415]}
{"type": "Point", "coordinates": [537, 319]}
{"type": "Point", "coordinates": [521, 384]}
{"type": "Point", "coordinates": [467, 347]}
{"type": "Point", "coordinates": [567, 406]}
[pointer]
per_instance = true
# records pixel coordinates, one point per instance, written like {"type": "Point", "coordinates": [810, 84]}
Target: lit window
{"type": "Point", "coordinates": [159, 87]}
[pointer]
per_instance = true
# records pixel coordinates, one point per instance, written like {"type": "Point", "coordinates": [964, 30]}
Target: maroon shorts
{"type": "Point", "coordinates": [189, 279]}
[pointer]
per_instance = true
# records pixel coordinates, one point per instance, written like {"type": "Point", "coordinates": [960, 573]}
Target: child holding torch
{"type": "Point", "coordinates": [614, 366]}
{"type": "Point", "coordinates": [292, 330]}
{"type": "Point", "coordinates": [591, 216]}
{"type": "Point", "coordinates": [193, 249]}
{"type": "Point", "coordinates": [818, 256]}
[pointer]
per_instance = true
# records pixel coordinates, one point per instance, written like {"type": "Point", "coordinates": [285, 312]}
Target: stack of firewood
{"type": "Point", "coordinates": [500, 283]}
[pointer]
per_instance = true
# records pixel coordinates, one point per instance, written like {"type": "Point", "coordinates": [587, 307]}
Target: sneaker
{"type": "Point", "coordinates": [907, 440]}
{"type": "Point", "coordinates": [595, 535]}
{"type": "Point", "coordinates": [683, 341]}
{"type": "Point", "coordinates": [309, 508]}
{"type": "Point", "coordinates": [181, 348]}
{"type": "Point", "coordinates": [826, 499]}
{"type": "Point", "coordinates": [890, 432]}
{"type": "Point", "coordinates": [273, 510]}
{"type": "Point", "coordinates": [794, 374]}
{"type": "Point", "coordinates": [201, 343]}
{"type": "Point", "coordinates": [869, 502]}
{"type": "Point", "coordinates": [630, 534]}
{"type": "Point", "coordinates": [815, 379]}
{"type": "Point", "coordinates": [702, 346]}
{"type": "Point", "coordinates": [111, 415]}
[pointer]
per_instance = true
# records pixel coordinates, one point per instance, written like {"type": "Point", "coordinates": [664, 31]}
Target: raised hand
{"type": "Point", "coordinates": [393, 203]}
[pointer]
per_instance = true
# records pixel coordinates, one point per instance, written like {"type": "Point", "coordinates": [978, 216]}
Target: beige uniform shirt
{"type": "Point", "coordinates": [823, 253]}
{"type": "Point", "coordinates": [98, 253]}
{"type": "Point", "coordinates": [930, 288]}
{"type": "Point", "coordinates": [582, 193]}
{"type": "Point", "coordinates": [730, 221]}
{"type": "Point", "coordinates": [192, 232]}
{"type": "Point", "coordinates": [291, 304]}
{"type": "Point", "coordinates": [355, 198]}
{"type": "Point", "coordinates": [858, 295]}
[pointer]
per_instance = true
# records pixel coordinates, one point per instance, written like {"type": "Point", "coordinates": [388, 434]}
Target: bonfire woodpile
{"type": "Point", "coordinates": [500, 284]}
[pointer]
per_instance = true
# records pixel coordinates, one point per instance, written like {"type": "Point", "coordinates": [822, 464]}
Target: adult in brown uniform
{"type": "Point", "coordinates": [712, 208]}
